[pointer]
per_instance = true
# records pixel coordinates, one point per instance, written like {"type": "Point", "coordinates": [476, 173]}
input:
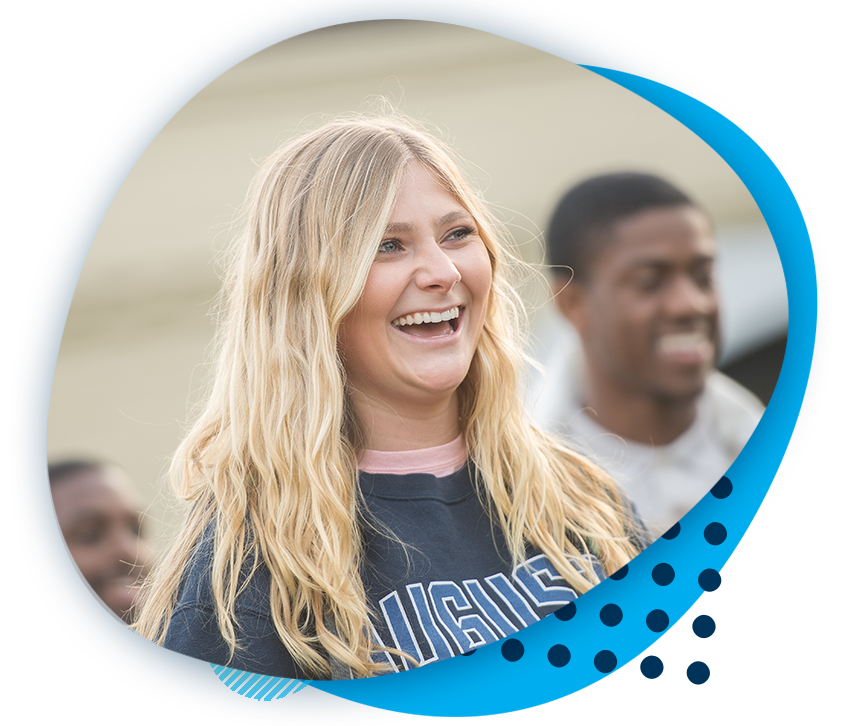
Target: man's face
{"type": "Point", "coordinates": [648, 312]}
{"type": "Point", "coordinates": [101, 523]}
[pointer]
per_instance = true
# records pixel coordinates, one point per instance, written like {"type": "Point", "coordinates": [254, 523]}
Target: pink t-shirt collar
{"type": "Point", "coordinates": [437, 460]}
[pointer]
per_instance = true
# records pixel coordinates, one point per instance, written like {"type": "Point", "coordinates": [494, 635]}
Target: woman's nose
{"type": "Point", "coordinates": [436, 270]}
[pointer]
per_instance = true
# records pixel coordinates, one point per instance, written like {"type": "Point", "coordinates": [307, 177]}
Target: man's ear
{"type": "Point", "coordinates": [570, 298]}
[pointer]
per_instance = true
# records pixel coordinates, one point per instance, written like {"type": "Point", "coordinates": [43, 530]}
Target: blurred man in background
{"type": "Point", "coordinates": [633, 261]}
{"type": "Point", "coordinates": [100, 519]}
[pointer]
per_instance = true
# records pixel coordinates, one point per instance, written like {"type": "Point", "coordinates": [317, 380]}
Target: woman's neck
{"type": "Point", "coordinates": [408, 426]}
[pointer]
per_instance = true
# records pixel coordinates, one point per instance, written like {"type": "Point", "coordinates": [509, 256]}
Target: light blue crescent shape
{"type": "Point", "coordinates": [486, 683]}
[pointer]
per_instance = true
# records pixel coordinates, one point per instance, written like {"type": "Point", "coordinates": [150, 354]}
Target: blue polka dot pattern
{"type": "Point", "coordinates": [673, 531]}
{"type": "Point", "coordinates": [605, 661]}
{"type": "Point", "coordinates": [698, 673]}
{"type": "Point", "coordinates": [567, 612]}
{"type": "Point", "coordinates": [709, 580]}
{"type": "Point", "coordinates": [715, 533]}
{"type": "Point", "coordinates": [559, 656]}
{"type": "Point", "coordinates": [722, 489]}
{"type": "Point", "coordinates": [704, 626]}
{"type": "Point", "coordinates": [611, 615]}
{"type": "Point", "coordinates": [512, 650]}
{"type": "Point", "coordinates": [651, 667]}
{"type": "Point", "coordinates": [663, 574]}
{"type": "Point", "coordinates": [620, 573]}
{"type": "Point", "coordinates": [657, 621]}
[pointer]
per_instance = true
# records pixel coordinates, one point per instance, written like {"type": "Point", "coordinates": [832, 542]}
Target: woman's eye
{"type": "Point", "coordinates": [461, 233]}
{"type": "Point", "coordinates": [389, 245]}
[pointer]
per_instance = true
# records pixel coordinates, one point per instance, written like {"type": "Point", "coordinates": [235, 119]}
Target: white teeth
{"type": "Point", "coordinates": [681, 343]}
{"type": "Point", "coordinates": [418, 318]}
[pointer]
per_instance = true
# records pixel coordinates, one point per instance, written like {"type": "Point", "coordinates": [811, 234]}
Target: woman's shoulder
{"type": "Point", "coordinates": [194, 629]}
{"type": "Point", "coordinates": [196, 589]}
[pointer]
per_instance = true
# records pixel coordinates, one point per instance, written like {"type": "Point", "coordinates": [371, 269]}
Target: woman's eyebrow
{"type": "Point", "coordinates": [401, 227]}
{"type": "Point", "coordinates": [453, 217]}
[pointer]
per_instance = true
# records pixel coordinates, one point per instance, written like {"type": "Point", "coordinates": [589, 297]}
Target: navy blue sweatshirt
{"type": "Point", "coordinates": [438, 576]}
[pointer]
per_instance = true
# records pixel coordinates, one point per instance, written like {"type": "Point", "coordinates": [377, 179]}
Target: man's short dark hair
{"type": "Point", "coordinates": [69, 467]}
{"type": "Point", "coordinates": [584, 215]}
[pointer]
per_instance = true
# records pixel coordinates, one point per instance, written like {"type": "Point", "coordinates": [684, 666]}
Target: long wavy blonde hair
{"type": "Point", "coordinates": [270, 464]}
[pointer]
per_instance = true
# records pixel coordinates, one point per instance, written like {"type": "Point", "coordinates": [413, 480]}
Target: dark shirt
{"type": "Point", "coordinates": [436, 570]}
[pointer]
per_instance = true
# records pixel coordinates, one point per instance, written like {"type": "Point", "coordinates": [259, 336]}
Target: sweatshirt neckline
{"type": "Point", "coordinates": [439, 461]}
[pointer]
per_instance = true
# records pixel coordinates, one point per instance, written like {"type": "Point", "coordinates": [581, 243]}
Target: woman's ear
{"type": "Point", "coordinates": [570, 297]}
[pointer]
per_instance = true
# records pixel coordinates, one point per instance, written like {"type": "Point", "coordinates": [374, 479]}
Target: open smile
{"type": "Point", "coordinates": [692, 346]}
{"type": "Point", "coordinates": [429, 324]}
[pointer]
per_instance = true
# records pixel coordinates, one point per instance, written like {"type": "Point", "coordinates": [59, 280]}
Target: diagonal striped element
{"type": "Point", "coordinates": [253, 685]}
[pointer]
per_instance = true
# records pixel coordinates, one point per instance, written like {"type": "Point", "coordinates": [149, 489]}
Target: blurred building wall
{"type": "Point", "coordinates": [133, 354]}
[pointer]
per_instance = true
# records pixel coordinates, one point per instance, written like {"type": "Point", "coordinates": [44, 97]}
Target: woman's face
{"type": "Point", "coordinates": [430, 265]}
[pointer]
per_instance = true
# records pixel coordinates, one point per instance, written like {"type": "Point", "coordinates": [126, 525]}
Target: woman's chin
{"type": "Point", "coordinates": [438, 384]}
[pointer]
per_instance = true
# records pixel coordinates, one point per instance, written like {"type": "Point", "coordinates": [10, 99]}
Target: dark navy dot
{"type": "Point", "coordinates": [715, 533]}
{"type": "Point", "coordinates": [605, 661]}
{"type": "Point", "coordinates": [470, 652]}
{"type": "Point", "coordinates": [722, 488]}
{"type": "Point", "coordinates": [611, 615]}
{"type": "Point", "coordinates": [657, 621]}
{"type": "Point", "coordinates": [619, 574]}
{"type": "Point", "coordinates": [698, 673]}
{"type": "Point", "coordinates": [512, 650]}
{"type": "Point", "coordinates": [704, 626]}
{"type": "Point", "coordinates": [651, 667]}
{"type": "Point", "coordinates": [673, 531]}
{"type": "Point", "coordinates": [567, 612]}
{"type": "Point", "coordinates": [709, 580]}
{"type": "Point", "coordinates": [559, 656]}
{"type": "Point", "coordinates": [663, 574]}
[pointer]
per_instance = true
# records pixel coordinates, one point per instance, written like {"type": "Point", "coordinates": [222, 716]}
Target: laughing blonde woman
{"type": "Point", "coordinates": [366, 492]}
